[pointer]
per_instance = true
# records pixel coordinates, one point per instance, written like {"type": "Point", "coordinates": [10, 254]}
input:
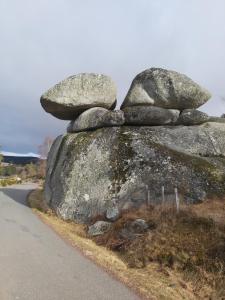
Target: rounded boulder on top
{"type": "Point", "coordinates": [72, 96]}
{"type": "Point", "coordinates": [167, 89]}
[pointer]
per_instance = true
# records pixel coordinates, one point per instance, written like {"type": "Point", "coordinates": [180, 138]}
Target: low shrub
{"type": "Point", "coordinates": [9, 181]}
{"type": "Point", "coordinates": [185, 241]}
{"type": "Point", "coordinates": [36, 201]}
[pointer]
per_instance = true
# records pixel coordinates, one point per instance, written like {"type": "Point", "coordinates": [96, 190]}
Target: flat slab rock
{"type": "Point", "coordinates": [165, 88]}
{"type": "Point", "coordinates": [87, 171]}
{"type": "Point", "coordinates": [150, 115]}
{"type": "Point", "coordinates": [72, 96]}
{"type": "Point", "coordinates": [96, 117]}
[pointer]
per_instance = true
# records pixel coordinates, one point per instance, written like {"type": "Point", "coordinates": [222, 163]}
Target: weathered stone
{"type": "Point", "coordinates": [99, 228]}
{"type": "Point", "coordinates": [96, 117]}
{"type": "Point", "coordinates": [139, 226]}
{"type": "Point", "coordinates": [112, 213]}
{"type": "Point", "coordinates": [164, 88]}
{"type": "Point", "coordinates": [150, 115]}
{"type": "Point", "coordinates": [72, 96]}
{"type": "Point", "coordinates": [132, 229]}
{"type": "Point", "coordinates": [113, 118]}
{"type": "Point", "coordinates": [87, 170]}
{"type": "Point", "coordinates": [192, 117]}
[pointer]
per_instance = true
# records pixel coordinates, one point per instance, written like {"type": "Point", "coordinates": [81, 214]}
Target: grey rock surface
{"type": "Point", "coordinates": [132, 229]}
{"type": "Point", "coordinates": [139, 225]}
{"type": "Point", "coordinates": [223, 116]}
{"type": "Point", "coordinates": [96, 117]}
{"type": "Point", "coordinates": [72, 96]}
{"type": "Point", "coordinates": [87, 170]}
{"type": "Point", "coordinates": [192, 117]}
{"type": "Point", "coordinates": [112, 213]}
{"type": "Point", "coordinates": [150, 115]}
{"type": "Point", "coordinates": [164, 88]}
{"type": "Point", "coordinates": [99, 228]}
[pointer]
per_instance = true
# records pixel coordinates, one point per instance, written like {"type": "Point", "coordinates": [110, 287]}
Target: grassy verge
{"type": "Point", "coordinates": [9, 181]}
{"type": "Point", "coordinates": [182, 256]}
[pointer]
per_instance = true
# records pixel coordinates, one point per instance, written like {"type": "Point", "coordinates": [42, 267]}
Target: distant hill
{"type": "Point", "coordinates": [19, 159]}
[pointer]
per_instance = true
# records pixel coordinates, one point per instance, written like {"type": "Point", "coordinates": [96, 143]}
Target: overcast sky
{"type": "Point", "coordinates": [45, 41]}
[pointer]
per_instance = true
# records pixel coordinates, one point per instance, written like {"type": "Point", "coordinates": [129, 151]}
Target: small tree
{"type": "Point", "coordinates": [1, 159]}
{"type": "Point", "coordinates": [31, 170]}
{"type": "Point", "coordinates": [43, 151]}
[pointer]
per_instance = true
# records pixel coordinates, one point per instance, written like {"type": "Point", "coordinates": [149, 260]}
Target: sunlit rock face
{"type": "Point", "coordinates": [91, 172]}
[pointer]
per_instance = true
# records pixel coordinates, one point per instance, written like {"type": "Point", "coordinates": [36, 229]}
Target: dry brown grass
{"type": "Point", "coordinates": [211, 208]}
{"type": "Point", "coordinates": [36, 201]}
{"type": "Point", "coordinates": [188, 243]}
{"type": "Point", "coordinates": [182, 256]}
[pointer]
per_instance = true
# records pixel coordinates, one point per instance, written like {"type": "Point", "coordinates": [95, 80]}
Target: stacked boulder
{"type": "Point", "coordinates": [85, 99]}
{"type": "Point", "coordinates": [113, 160]}
{"type": "Point", "coordinates": [156, 97]}
{"type": "Point", "coordinates": [162, 97]}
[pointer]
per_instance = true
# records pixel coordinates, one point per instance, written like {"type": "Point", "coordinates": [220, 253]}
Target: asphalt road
{"type": "Point", "coordinates": [36, 264]}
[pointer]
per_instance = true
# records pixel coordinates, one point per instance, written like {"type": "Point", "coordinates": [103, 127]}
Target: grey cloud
{"type": "Point", "coordinates": [43, 42]}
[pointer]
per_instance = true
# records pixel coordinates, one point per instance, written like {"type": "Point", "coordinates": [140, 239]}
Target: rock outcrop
{"type": "Point", "coordinates": [164, 88]}
{"type": "Point", "coordinates": [113, 160]}
{"type": "Point", "coordinates": [72, 96]}
{"type": "Point", "coordinates": [87, 170]}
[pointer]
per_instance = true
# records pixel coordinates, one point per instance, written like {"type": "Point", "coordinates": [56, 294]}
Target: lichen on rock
{"type": "Point", "coordinates": [92, 168]}
{"type": "Point", "coordinates": [110, 161]}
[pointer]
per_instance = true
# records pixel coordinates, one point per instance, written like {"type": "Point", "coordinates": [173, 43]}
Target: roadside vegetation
{"type": "Point", "coordinates": [180, 256]}
{"type": "Point", "coordinates": [9, 181]}
{"type": "Point", "coordinates": [14, 174]}
{"type": "Point", "coordinates": [17, 173]}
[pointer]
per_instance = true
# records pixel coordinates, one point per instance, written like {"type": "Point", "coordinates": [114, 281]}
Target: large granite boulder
{"type": "Point", "coordinates": [72, 96]}
{"type": "Point", "coordinates": [150, 115]}
{"type": "Point", "coordinates": [96, 117]}
{"type": "Point", "coordinates": [86, 170]}
{"type": "Point", "coordinates": [165, 88]}
{"type": "Point", "coordinates": [192, 117]}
